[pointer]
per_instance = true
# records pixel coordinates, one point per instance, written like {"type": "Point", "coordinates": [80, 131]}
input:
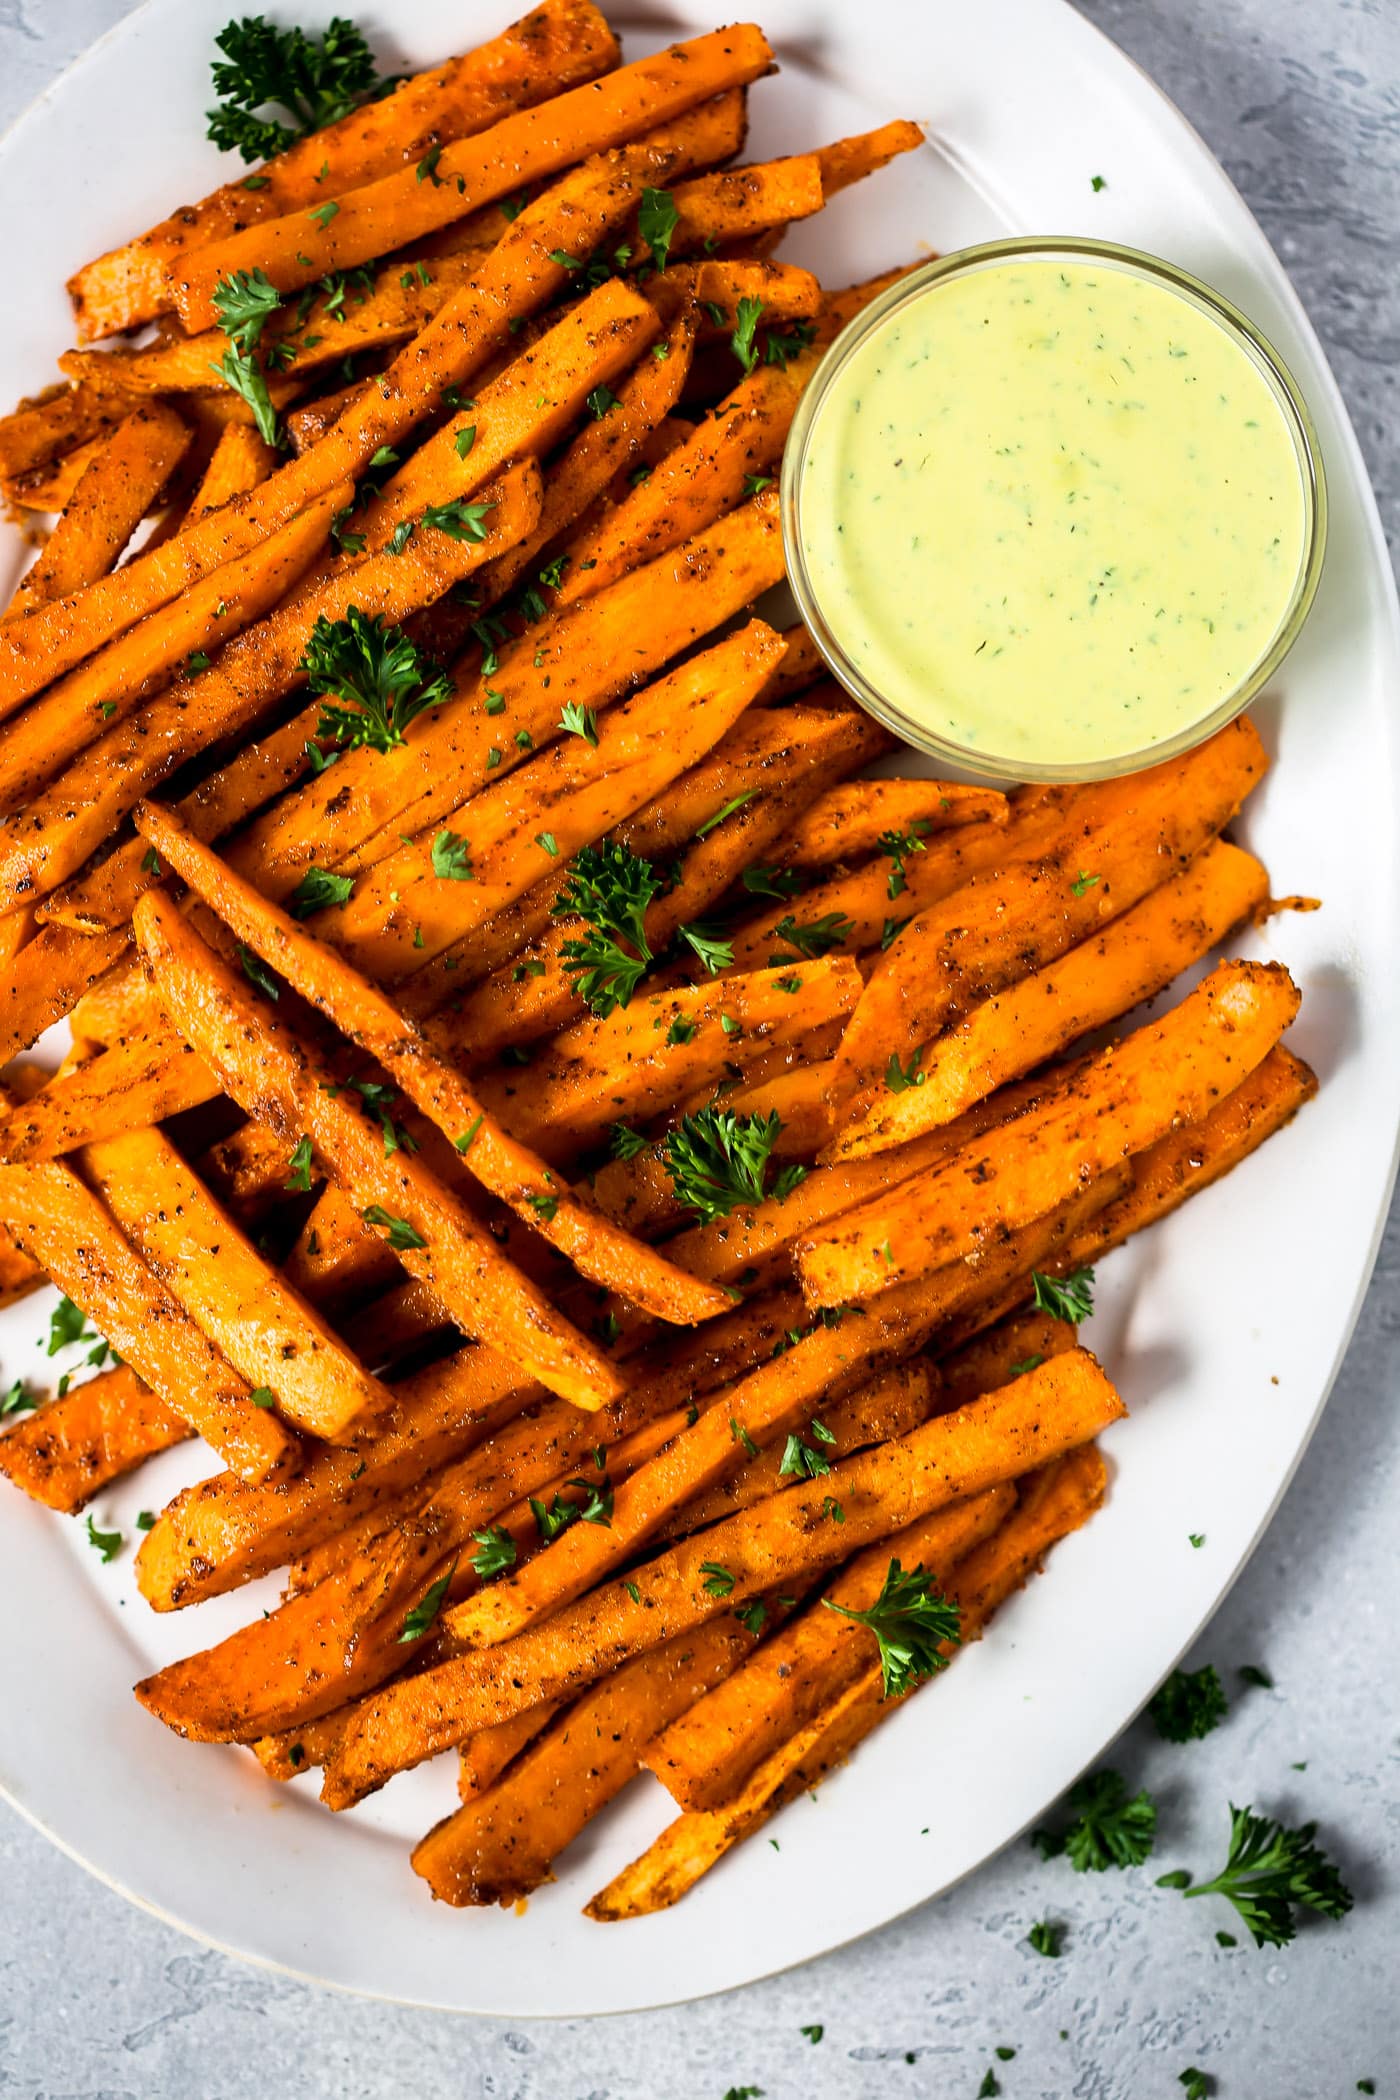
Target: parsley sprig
{"type": "Point", "coordinates": [1108, 1829]}
{"type": "Point", "coordinates": [376, 679]}
{"type": "Point", "coordinates": [1271, 1872]}
{"type": "Point", "coordinates": [314, 80]}
{"type": "Point", "coordinates": [1066, 1298]}
{"type": "Point", "coordinates": [245, 303]}
{"type": "Point", "coordinates": [609, 887]}
{"type": "Point", "coordinates": [718, 1159]}
{"type": "Point", "coordinates": [911, 1623]}
{"type": "Point", "coordinates": [1189, 1704]}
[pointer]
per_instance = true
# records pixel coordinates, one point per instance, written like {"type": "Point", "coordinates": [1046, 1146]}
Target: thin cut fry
{"type": "Point", "coordinates": [1170, 1072]}
{"type": "Point", "coordinates": [126, 475]}
{"type": "Point", "coordinates": [272, 1074]}
{"type": "Point", "coordinates": [782, 1540]}
{"type": "Point", "coordinates": [70, 1449]}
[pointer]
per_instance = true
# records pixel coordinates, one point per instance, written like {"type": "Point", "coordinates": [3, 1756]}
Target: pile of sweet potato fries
{"type": "Point", "coordinates": [611, 1183]}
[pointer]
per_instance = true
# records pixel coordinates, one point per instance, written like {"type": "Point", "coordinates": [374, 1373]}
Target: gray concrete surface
{"type": "Point", "coordinates": [1301, 99]}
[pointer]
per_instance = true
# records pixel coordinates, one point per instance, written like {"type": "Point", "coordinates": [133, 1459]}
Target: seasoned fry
{"type": "Point", "coordinates": [271, 1336]}
{"type": "Point", "coordinates": [585, 658]}
{"type": "Point", "coordinates": [1168, 1073]}
{"type": "Point", "coordinates": [708, 1752]}
{"type": "Point", "coordinates": [47, 978]}
{"type": "Point", "coordinates": [274, 1075]}
{"type": "Point", "coordinates": [501, 1164]}
{"type": "Point", "coordinates": [1119, 841]}
{"type": "Point", "coordinates": [64, 1227]}
{"type": "Point", "coordinates": [298, 248]}
{"type": "Point", "coordinates": [137, 1081]}
{"type": "Point", "coordinates": [1132, 959]}
{"type": "Point", "coordinates": [76, 710]}
{"type": "Point", "coordinates": [848, 822]}
{"type": "Point", "coordinates": [68, 1450]}
{"type": "Point", "coordinates": [691, 1845]}
{"type": "Point", "coordinates": [782, 1540]}
{"type": "Point", "coordinates": [559, 44]}
{"type": "Point", "coordinates": [126, 474]}
{"type": "Point", "coordinates": [500, 1845]}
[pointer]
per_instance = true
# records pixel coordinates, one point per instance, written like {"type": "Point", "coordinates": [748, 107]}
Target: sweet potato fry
{"type": "Point", "coordinates": [137, 1081]}
{"type": "Point", "coordinates": [1017, 1344]}
{"type": "Point", "coordinates": [1189, 1160]}
{"type": "Point", "coordinates": [889, 1406]}
{"type": "Point", "coordinates": [694, 1843]}
{"type": "Point", "coordinates": [56, 423]}
{"type": "Point", "coordinates": [371, 218]}
{"type": "Point", "coordinates": [47, 978]}
{"type": "Point", "coordinates": [292, 1752]}
{"type": "Point", "coordinates": [1120, 840]}
{"type": "Point", "coordinates": [735, 203]}
{"type": "Point", "coordinates": [63, 824]}
{"type": "Point", "coordinates": [780, 1541]}
{"type": "Point", "coordinates": [769, 1405]}
{"type": "Point", "coordinates": [500, 1846]}
{"type": "Point", "coordinates": [850, 821]}
{"type": "Point", "coordinates": [1170, 1072]}
{"type": "Point", "coordinates": [240, 460]}
{"type": "Point", "coordinates": [584, 658]}
{"type": "Point", "coordinates": [224, 1532]}
{"type": "Point", "coordinates": [516, 278]}
{"type": "Point", "coordinates": [640, 1057]}
{"type": "Point", "coordinates": [65, 1227]}
{"type": "Point", "coordinates": [783, 291]}
{"type": "Point", "coordinates": [580, 786]}
{"type": "Point", "coordinates": [485, 1755]}
{"type": "Point", "coordinates": [272, 1074]}
{"type": "Point", "coordinates": [508, 1169]}
{"type": "Point", "coordinates": [269, 1334]}
{"type": "Point", "coordinates": [78, 708]}
{"type": "Point", "coordinates": [1133, 958]}
{"type": "Point", "coordinates": [707, 1753]}
{"type": "Point", "coordinates": [70, 1449]}
{"type": "Point", "coordinates": [126, 475]}
{"type": "Point", "coordinates": [556, 46]}
{"type": "Point", "coordinates": [775, 760]}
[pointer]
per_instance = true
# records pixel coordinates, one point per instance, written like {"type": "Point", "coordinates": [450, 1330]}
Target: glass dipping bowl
{"type": "Point", "coordinates": [980, 761]}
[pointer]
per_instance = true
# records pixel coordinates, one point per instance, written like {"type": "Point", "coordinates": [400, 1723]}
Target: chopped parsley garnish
{"type": "Point", "coordinates": [1097, 183]}
{"type": "Point", "coordinates": [324, 213]}
{"type": "Point", "coordinates": [464, 440]}
{"type": "Point", "coordinates": [314, 80]}
{"type": "Point", "coordinates": [719, 1159]}
{"type": "Point", "coordinates": [1046, 1938]}
{"type": "Point", "coordinates": [714, 951]}
{"type": "Point", "coordinates": [898, 1078]}
{"type": "Point", "coordinates": [318, 889]}
{"type": "Point", "coordinates": [813, 2033]}
{"type": "Point", "coordinates": [1066, 1298]}
{"type": "Point", "coordinates": [150, 862]}
{"type": "Point", "coordinates": [753, 1616]}
{"type": "Point", "coordinates": [625, 1143]}
{"type": "Point", "coordinates": [600, 400]}
{"type": "Point", "coordinates": [495, 1551]}
{"type": "Point", "coordinates": [67, 1324]}
{"type": "Point", "coordinates": [1189, 1705]}
{"type": "Point", "coordinates": [263, 1396]}
{"type": "Point", "coordinates": [892, 929]}
{"type": "Point", "coordinates": [771, 882]}
{"type": "Point", "coordinates": [899, 844]}
{"type": "Point", "coordinates": [299, 1166]}
{"type": "Point", "coordinates": [680, 1030]}
{"type": "Point", "coordinates": [702, 831]}
{"type": "Point", "coordinates": [785, 344]}
{"type": "Point", "coordinates": [1198, 2085]}
{"type": "Point", "coordinates": [257, 972]}
{"type": "Point", "coordinates": [1271, 1871]}
{"type": "Point", "coordinates": [375, 679]}
{"type": "Point", "coordinates": [247, 378]}
{"type": "Point", "coordinates": [108, 1543]}
{"type": "Point", "coordinates": [1107, 1828]}
{"type": "Point", "coordinates": [451, 857]}
{"type": "Point", "coordinates": [245, 303]}
{"type": "Point", "coordinates": [610, 888]}
{"type": "Point", "coordinates": [426, 170]}
{"type": "Point", "coordinates": [718, 1581]}
{"type": "Point", "coordinates": [801, 1461]}
{"type": "Point", "coordinates": [911, 1623]}
{"type": "Point", "coordinates": [595, 1508]}
{"type": "Point", "coordinates": [1084, 883]}
{"type": "Point", "coordinates": [657, 219]}
{"type": "Point", "coordinates": [817, 937]}
{"type": "Point", "coordinates": [741, 1436]}
{"type": "Point", "coordinates": [746, 321]}
{"type": "Point", "coordinates": [579, 721]}
{"type": "Point", "coordinates": [18, 1400]}
{"type": "Point", "coordinates": [423, 1616]}
{"type": "Point", "coordinates": [459, 519]}
{"type": "Point", "coordinates": [1251, 1673]}
{"type": "Point", "coordinates": [403, 1237]}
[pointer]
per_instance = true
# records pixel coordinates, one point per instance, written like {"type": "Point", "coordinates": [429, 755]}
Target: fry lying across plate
{"type": "Point", "coordinates": [615, 1185]}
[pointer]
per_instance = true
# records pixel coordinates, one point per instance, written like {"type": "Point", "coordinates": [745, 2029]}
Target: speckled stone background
{"type": "Point", "coordinates": [1301, 100]}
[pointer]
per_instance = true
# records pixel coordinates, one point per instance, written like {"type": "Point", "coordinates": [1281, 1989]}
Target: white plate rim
{"type": "Point", "coordinates": [1013, 14]}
